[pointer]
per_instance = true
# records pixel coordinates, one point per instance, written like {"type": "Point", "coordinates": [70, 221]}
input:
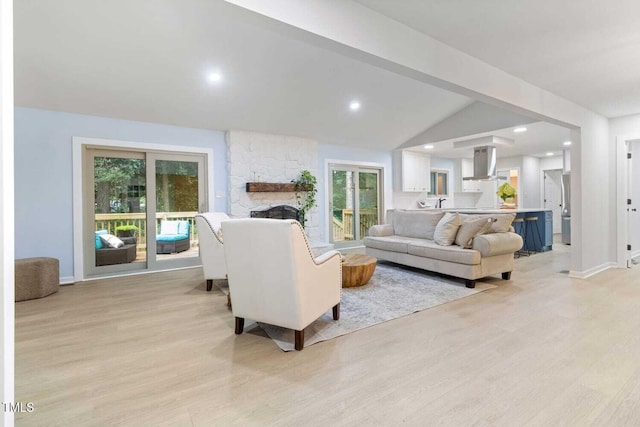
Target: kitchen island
{"type": "Point", "coordinates": [539, 233]}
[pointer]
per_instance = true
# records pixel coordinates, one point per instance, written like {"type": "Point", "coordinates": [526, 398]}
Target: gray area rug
{"type": "Point", "coordinates": [392, 292]}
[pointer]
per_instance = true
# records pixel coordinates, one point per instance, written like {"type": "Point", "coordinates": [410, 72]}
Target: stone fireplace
{"type": "Point", "coordinates": [258, 157]}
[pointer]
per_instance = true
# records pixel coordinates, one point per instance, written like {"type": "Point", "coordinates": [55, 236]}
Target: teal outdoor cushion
{"type": "Point", "coordinates": [99, 244]}
{"type": "Point", "coordinates": [171, 237]}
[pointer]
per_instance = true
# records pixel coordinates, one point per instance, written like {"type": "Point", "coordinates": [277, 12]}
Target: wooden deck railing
{"type": "Point", "coordinates": [110, 221]}
{"type": "Point", "coordinates": [343, 230]}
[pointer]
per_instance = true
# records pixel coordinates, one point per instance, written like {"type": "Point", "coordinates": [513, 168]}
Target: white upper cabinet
{"type": "Point", "coordinates": [411, 171]}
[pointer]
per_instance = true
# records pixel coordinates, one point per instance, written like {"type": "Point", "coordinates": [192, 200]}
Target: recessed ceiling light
{"type": "Point", "coordinates": [428, 147]}
{"type": "Point", "coordinates": [214, 77]}
{"type": "Point", "coordinates": [549, 154]}
{"type": "Point", "coordinates": [354, 105]}
{"type": "Point", "coordinates": [567, 143]}
{"type": "Point", "coordinates": [519, 130]}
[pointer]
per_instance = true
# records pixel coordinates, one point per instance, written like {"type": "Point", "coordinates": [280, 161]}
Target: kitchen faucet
{"type": "Point", "coordinates": [439, 204]}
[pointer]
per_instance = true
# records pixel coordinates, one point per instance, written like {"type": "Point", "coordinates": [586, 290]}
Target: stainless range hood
{"type": "Point", "coordinates": [484, 164]}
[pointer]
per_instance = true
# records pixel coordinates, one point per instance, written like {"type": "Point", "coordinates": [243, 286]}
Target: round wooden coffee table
{"type": "Point", "coordinates": [357, 269]}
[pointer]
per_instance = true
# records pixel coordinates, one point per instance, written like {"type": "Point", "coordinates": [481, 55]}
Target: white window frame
{"type": "Point", "coordinates": [432, 191]}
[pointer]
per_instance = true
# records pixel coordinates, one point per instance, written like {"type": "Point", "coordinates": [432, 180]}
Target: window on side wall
{"type": "Point", "coordinates": [439, 183]}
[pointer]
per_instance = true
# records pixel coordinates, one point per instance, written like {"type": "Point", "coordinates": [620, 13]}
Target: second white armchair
{"type": "Point", "coordinates": [211, 246]}
{"type": "Point", "coordinates": [274, 278]}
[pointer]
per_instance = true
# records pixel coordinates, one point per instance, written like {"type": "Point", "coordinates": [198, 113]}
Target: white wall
{"type": "Point", "coordinates": [6, 209]}
{"type": "Point", "coordinates": [43, 173]}
{"type": "Point", "coordinates": [530, 176]}
{"type": "Point", "coordinates": [553, 162]}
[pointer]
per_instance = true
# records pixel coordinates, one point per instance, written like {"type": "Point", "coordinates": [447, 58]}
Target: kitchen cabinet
{"type": "Point", "coordinates": [488, 198]}
{"type": "Point", "coordinates": [411, 171]}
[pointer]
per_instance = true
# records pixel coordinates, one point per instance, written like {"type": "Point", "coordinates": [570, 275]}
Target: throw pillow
{"type": "Point", "coordinates": [502, 224]}
{"type": "Point", "coordinates": [99, 244]}
{"type": "Point", "coordinates": [169, 227]}
{"type": "Point", "coordinates": [111, 241]}
{"type": "Point", "coordinates": [470, 228]}
{"type": "Point", "coordinates": [447, 229]}
{"type": "Point", "coordinates": [183, 227]}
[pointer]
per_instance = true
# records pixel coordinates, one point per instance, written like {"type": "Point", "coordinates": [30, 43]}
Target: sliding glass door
{"type": "Point", "coordinates": [354, 202]}
{"type": "Point", "coordinates": [140, 209]}
{"type": "Point", "coordinates": [179, 190]}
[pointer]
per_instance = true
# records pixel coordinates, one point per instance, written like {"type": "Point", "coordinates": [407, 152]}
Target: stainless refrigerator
{"type": "Point", "coordinates": [566, 208]}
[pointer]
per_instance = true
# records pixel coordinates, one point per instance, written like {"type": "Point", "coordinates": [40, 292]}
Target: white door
{"type": "Point", "coordinates": [633, 209]}
{"type": "Point", "coordinates": [553, 196]}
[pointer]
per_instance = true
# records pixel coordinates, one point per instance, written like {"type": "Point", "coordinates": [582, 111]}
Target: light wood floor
{"type": "Point", "coordinates": [541, 350]}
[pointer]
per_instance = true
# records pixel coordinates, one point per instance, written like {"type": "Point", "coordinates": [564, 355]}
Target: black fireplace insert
{"type": "Point", "coordinates": [278, 212]}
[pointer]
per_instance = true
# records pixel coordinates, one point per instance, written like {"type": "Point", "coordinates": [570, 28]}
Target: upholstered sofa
{"type": "Point", "coordinates": [487, 248]}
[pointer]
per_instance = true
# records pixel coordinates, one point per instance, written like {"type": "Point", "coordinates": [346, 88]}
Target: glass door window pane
{"type": "Point", "coordinates": [177, 200]}
{"type": "Point", "coordinates": [343, 200]}
{"type": "Point", "coordinates": [119, 210]}
{"type": "Point", "coordinates": [369, 198]}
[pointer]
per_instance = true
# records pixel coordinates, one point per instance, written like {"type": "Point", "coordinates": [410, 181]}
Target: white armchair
{"type": "Point", "coordinates": [274, 278]}
{"type": "Point", "coordinates": [211, 247]}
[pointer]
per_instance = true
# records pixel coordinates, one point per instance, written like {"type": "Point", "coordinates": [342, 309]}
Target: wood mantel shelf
{"type": "Point", "coordinates": [273, 187]}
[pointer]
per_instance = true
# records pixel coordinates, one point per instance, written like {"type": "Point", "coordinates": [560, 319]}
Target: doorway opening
{"type": "Point", "coordinates": [553, 196]}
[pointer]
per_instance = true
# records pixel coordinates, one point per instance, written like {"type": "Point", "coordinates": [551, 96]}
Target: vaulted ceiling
{"type": "Point", "coordinates": [585, 51]}
{"type": "Point", "coordinates": [149, 61]}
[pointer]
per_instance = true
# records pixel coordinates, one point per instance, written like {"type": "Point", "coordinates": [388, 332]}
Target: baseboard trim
{"type": "Point", "coordinates": [134, 273]}
{"type": "Point", "coordinates": [67, 280]}
{"type": "Point", "coordinates": [592, 271]}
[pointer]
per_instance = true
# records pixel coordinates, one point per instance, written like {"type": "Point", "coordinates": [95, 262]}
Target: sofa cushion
{"type": "Point", "coordinates": [183, 227]}
{"type": "Point", "coordinates": [471, 227]}
{"type": "Point", "coordinates": [381, 230]}
{"type": "Point", "coordinates": [169, 227]}
{"type": "Point", "coordinates": [171, 237]}
{"type": "Point", "coordinates": [447, 228]}
{"type": "Point", "coordinates": [419, 224]}
{"type": "Point", "coordinates": [429, 249]}
{"type": "Point", "coordinates": [390, 243]}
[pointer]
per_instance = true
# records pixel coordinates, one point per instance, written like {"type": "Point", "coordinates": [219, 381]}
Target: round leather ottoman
{"type": "Point", "coordinates": [36, 278]}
